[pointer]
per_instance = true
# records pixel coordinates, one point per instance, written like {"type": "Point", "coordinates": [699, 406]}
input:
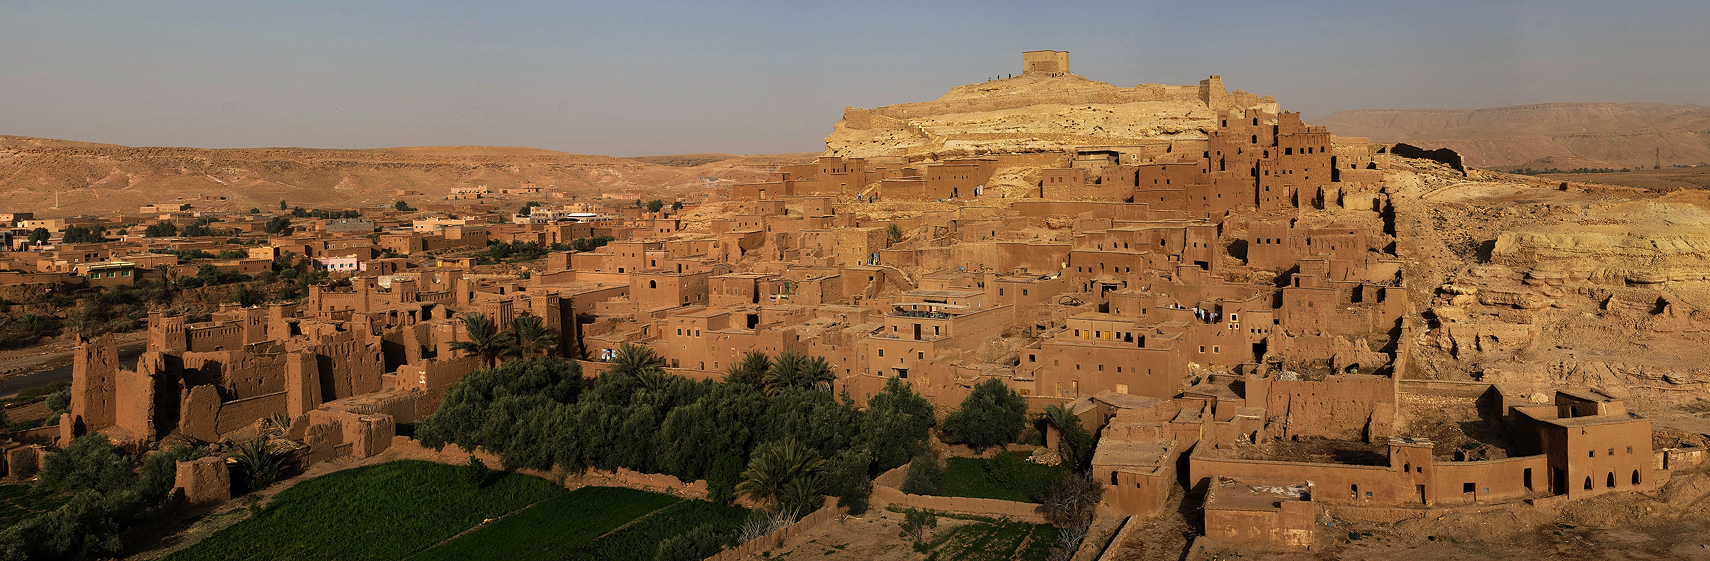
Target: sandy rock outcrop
{"type": "Point", "coordinates": [1036, 113]}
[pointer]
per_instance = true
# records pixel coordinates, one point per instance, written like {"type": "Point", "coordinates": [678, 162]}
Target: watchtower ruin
{"type": "Point", "coordinates": [1052, 63]}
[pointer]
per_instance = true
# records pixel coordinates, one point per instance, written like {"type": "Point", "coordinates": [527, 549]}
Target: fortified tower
{"type": "Point", "coordinates": [1050, 63]}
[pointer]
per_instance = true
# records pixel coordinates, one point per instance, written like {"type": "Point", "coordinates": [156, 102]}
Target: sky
{"type": "Point", "coordinates": [653, 78]}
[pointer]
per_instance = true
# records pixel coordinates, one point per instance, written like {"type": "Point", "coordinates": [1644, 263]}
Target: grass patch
{"type": "Point", "coordinates": [553, 527]}
{"type": "Point", "coordinates": [387, 511]}
{"type": "Point", "coordinates": [640, 542]}
{"type": "Point", "coordinates": [21, 501]}
{"type": "Point", "coordinates": [972, 477]}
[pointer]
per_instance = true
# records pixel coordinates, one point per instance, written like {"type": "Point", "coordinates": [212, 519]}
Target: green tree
{"type": "Point", "coordinates": [79, 234]}
{"type": "Point", "coordinates": [797, 370]}
{"type": "Point", "coordinates": [253, 210]}
{"type": "Point", "coordinates": [83, 528]}
{"type": "Point", "coordinates": [676, 205]}
{"type": "Point", "coordinates": [485, 339]}
{"type": "Point", "coordinates": [91, 462]}
{"type": "Point", "coordinates": [924, 475]}
{"type": "Point", "coordinates": [198, 229]}
{"type": "Point", "coordinates": [1075, 444]}
{"type": "Point", "coordinates": [532, 336]}
{"type": "Point", "coordinates": [846, 478]}
{"type": "Point", "coordinates": [40, 236]}
{"type": "Point", "coordinates": [991, 415]}
{"type": "Point", "coordinates": [896, 424]}
{"type": "Point", "coordinates": [654, 205]}
{"type": "Point", "coordinates": [276, 225]}
{"type": "Point", "coordinates": [750, 370]}
{"type": "Point", "coordinates": [282, 205]}
{"type": "Point", "coordinates": [722, 479]}
{"type": "Point", "coordinates": [636, 361]}
{"type": "Point", "coordinates": [775, 465]}
{"type": "Point", "coordinates": [895, 233]}
{"type": "Point", "coordinates": [244, 297]}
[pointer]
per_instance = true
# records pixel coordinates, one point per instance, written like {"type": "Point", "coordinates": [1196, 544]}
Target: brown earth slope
{"type": "Point", "coordinates": [105, 179]}
{"type": "Point", "coordinates": [1583, 134]}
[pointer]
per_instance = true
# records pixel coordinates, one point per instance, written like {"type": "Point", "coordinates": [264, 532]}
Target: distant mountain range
{"type": "Point", "coordinates": [1559, 135]}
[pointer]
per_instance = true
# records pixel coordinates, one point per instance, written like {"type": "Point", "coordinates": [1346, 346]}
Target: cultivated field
{"type": "Point", "coordinates": [388, 511]}
{"type": "Point", "coordinates": [982, 479]}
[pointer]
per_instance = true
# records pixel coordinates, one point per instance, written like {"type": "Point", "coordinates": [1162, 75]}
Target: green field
{"type": "Point", "coordinates": [387, 511]}
{"type": "Point", "coordinates": [994, 541]}
{"type": "Point", "coordinates": [18, 502]}
{"type": "Point", "coordinates": [553, 527]}
{"type": "Point", "coordinates": [640, 541]}
{"type": "Point", "coordinates": [969, 477]}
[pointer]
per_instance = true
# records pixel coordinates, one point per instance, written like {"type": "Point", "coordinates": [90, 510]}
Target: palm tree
{"type": "Point", "coordinates": [775, 465]}
{"type": "Point", "coordinates": [635, 360]}
{"type": "Point", "coordinates": [783, 373]}
{"type": "Point", "coordinates": [532, 336]}
{"type": "Point", "coordinates": [798, 370]}
{"type": "Point", "coordinates": [485, 340]}
{"type": "Point", "coordinates": [751, 370]}
{"type": "Point", "coordinates": [816, 375]}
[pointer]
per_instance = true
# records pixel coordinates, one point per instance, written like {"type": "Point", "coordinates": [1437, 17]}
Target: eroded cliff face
{"type": "Point", "coordinates": [1531, 286]}
{"type": "Point", "coordinates": [1034, 113]}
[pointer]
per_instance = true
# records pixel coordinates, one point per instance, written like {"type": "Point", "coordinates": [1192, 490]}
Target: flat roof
{"type": "Point", "coordinates": [1226, 493]}
{"type": "Point", "coordinates": [1150, 453]}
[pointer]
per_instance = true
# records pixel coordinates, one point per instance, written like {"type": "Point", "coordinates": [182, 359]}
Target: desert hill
{"type": "Point", "coordinates": [1036, 113]}
{"type": "Point", "coordinates": [103, 179]}
{"type": "Point", "coordinates": [1580, 134]}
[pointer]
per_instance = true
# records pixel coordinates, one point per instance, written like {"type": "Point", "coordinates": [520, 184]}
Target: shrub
{"type": "Point", "coordinates": [721, 482]}
{"type": "Point", "coordinates": [924, 475]}
{"type": "Point", "coordinates": [258, 465]}
{"type": "Point", "coordinates": [700, 543]}
{"type": "Point", "coordinates": [475, 472]}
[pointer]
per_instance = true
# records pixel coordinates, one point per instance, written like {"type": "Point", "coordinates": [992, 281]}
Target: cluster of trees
{"type": "Point", "coordinates": [590, 244]}
{"type": "Point", "coordinates": [499, 252]}
{"type": "Point", "coordinates": [795, 442]}
{"type": "Point", "coordinates": [110, 490]}
{"type": "Point", "coordinates": [327, 214]}
{"type": "Point", "coordinates": [276, 225]}
{"type": "Point", "coordinates": [402, 206]}
{"type": "Point", "coordinates": [79, 234]}
{"type": "Point", "coordinates": [516, 251]}
{"type": "Point", "coordinates": [165, 229]}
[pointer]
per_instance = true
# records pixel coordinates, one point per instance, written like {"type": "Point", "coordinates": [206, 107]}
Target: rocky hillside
{"type": "Point", "coordinates": [1544, 135]}
{"type": "Point", "coordinates": [103, 178]}
{"type": "Point", "coordinates": [1033, 113]}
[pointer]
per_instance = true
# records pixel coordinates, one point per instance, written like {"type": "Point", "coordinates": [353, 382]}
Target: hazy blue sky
{"type": "Point", "coordinates": [629, 79]}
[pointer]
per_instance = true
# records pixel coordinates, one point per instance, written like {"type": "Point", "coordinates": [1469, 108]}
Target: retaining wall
{"type": "Point", "coordinates": [776, 539]}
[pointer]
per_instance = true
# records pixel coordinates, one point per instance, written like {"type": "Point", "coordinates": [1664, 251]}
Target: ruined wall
{"type": "Point", "coordinates": [1346, 407]}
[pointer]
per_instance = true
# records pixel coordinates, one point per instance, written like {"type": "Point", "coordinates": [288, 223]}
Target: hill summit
{"type": "Point", "coordinates": [1037, 111]}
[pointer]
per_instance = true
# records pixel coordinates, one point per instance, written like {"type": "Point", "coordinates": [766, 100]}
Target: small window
{"type": "Point", "coordinates": [1466, 487]}
{"type": "Point", "coordinates": [881, 352]}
